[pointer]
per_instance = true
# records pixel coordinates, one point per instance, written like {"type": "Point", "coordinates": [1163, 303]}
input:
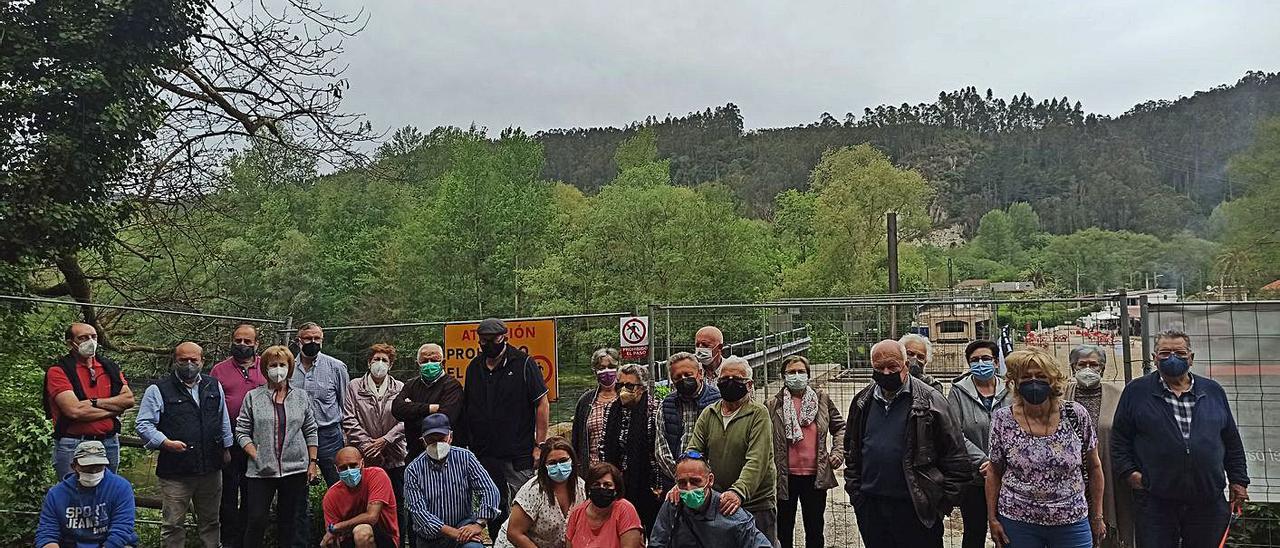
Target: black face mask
{"type": "Point", "coordinates": [889, 382]}
{"type": "Point", "coordinates": [602, 497]}
{"type": "Point", "coordinates": [310, 349]}
{"type": "Point", "coordinates": [1034, 391]}
{"type": "Point", "coordinates": [492, 349]}
{"type": "Point", "coordinates": [687, 387]}
{"type": "Point", "coordinates": [732, 389]}
{"type": "Point", "coordinates": [242, 352]}
{"type": "Point", "coordinates": [186, 372]}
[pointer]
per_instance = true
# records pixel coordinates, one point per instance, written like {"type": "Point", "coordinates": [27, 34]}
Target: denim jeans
{"type": "Point", "coordinates": [1029, 535]}
{"type": "Point", "coordinates": [1162, 522]}
{"type": "Point", "coordinates": [64, 449]}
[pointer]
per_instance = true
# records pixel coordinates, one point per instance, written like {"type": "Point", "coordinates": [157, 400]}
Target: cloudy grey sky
{"type": "Point", "coordinates": [560, 63]}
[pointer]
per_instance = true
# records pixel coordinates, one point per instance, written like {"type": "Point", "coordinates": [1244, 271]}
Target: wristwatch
{"type": "Point", "coordinates": [93, 402]}
{"type": "Point", "coordinates": [331, 528]}
{"type": "Point", "coordinates": [315, 461]}
{"type": "Point", "coordinates": [483, 523]}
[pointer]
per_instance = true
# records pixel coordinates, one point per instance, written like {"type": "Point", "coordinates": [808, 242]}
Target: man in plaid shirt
{"type": "Point", "coordinates": [1175, 443]}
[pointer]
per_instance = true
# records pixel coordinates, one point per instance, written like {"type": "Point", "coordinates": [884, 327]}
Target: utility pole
{"type": "Point", "coordinates": [893, 272]}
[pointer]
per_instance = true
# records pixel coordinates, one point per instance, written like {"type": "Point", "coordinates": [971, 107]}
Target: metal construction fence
{"type": "Point", "coordinates": [1236, 343]}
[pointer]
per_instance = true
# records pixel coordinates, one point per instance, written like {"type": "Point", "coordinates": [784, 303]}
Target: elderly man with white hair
{"type": "Point", "coordinates": [906, 457]}
{"type": "Point", "coordinates": [919, 355]}
{"type": "Point", "coordinates": [736, 437]}
{"type": "Point", "coordinates": [430, 391]}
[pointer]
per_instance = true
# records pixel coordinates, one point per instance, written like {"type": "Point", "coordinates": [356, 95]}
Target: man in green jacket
{"type": "Point", "coordinates": [736, 436]}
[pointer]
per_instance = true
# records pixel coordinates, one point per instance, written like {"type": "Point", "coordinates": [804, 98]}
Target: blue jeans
{"type": "Point", "coordinates": [330, 441]}
{"type": "Point", "coordinates": [64, 449]}
{"type": "Point", "coordinates": [1029, 535]}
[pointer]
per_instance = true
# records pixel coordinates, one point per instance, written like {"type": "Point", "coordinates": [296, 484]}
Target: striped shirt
{"type": "Point", "coordinates": [439, 493]}
{"type": "Point", "coordinates": [1182, 405]}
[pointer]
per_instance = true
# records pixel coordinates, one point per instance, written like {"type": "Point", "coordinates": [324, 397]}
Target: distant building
{"type": "Point", "coordinates": [1157, 295]}
{"type": "Point", "coordinates": [974, 283]}
{"type": "Point", "coordinates": [1013, 287]}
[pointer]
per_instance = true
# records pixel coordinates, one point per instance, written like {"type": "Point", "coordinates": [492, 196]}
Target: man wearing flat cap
{"type": "Point", "coordinates": [92, 506]}
{"type": "Point", "coordinates": [504, 412]}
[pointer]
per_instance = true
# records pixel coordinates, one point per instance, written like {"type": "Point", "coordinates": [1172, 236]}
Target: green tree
{"type": "Point", "coordinates": [853, 189]}
{"type": "Point", "coordinates": [1251, 240]}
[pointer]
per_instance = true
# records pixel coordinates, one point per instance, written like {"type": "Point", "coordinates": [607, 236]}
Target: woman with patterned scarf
{"type": "Point", "coordinates": [630, 436]}
{"type": "Point", "coordinates": [804, 419]}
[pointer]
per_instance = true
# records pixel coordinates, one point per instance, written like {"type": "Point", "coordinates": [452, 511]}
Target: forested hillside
{"type": "Point", "coordinates": [979, 151]}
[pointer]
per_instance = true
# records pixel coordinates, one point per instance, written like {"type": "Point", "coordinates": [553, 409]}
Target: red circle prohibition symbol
{"type": "Point", "coordinates": [633, 331]}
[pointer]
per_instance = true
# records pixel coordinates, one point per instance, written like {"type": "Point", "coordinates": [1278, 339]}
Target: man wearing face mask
{"type": "Point", "coordinates": [430, 391]}
{"type": "Point", "coordinates": [84, 395]}
{"type": "Point", "coordinates": [184, 415]}
{"type": "Point", "coordinates": [736, 436]}
{"type": "Point", "coordinates": [440, 486]}
{"type": "Point", "coordinates": [695, 521]}
{"type": "Point", "coordinates": [505, 412]}
{"type": "Point", "coordinates": [92, 507]}
{"type": "Point", "coordinates": [367, 420]}
{"type": "Point", "coordinates": [325, 379]}
{"type": "Point", "coordinates": [681, 408]}
{"type": "Point", "coordinates": [360, 510]}
{"type": "Point", "coordinates": [708, 348]}
{"type": "Point", "coordinates": [906, 457]}
{"type": "Point", "coordinates": [238, 374]}
{"type": "Point", "coordinates": [1176, 444]}
{"type": "Point", "coordinates": [919, 355]}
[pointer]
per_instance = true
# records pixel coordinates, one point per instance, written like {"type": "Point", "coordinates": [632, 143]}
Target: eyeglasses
{"type": "Point", "coordinates": [1179, 353]}
{"type": "Point", "coordinates": [629, 386]}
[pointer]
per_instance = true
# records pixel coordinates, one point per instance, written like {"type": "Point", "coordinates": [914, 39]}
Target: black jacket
{"type": "Point", "coordinates": [936, 463]}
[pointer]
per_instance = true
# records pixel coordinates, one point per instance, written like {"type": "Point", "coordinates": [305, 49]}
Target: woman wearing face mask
{"type": "Point", "coordinates": [973, 398]}
{"type": "Point", "coordinates": [606, 519]}
{"type": "Point", "coordinates": [588, 418]}
{"type": "Point", "coordinates": [541, 508]}
{"type": "Point", "coordinates": [279, 435]}
{"type": "Point", "coordinates": [629, 439]}
{"type": "Point", "coordinates": [1100, 397]}
{"type": "Point", "coordinates": [1042, 450]}
{"type": "Point", "coordinates": [367, 420]}
{"type": "Point", "coordinates": [803, 417]}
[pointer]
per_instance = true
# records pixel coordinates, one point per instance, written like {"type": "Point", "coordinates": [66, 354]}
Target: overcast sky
{"type": "Point", "coordinates": [551, 63]}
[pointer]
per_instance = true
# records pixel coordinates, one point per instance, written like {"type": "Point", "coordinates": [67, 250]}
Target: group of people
{"type": "Point", "coordinates": [1034, 458]}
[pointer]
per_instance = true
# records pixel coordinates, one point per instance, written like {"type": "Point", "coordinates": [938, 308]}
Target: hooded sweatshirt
{"type": "Point", "coordinates": [88, 517]}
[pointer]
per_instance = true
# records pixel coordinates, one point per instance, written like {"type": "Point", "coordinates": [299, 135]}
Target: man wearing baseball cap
{"type": "Point", "coordinates": [92, 506]}
{"type": "Point", "coordinates": [504, 412]}
{"type": "Point", "coordinates": [439, 487]}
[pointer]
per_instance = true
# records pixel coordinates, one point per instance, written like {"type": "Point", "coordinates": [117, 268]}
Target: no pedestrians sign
{"type": "Point", "coordinates": [633, 337]}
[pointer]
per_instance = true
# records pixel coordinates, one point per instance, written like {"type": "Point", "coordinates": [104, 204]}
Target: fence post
{"type": "Point", "coordinates": [653, 362]}
{"type": "Point", "coordinates": [1144, 315]}
{"type": "Point", "coordinates": [288, 328]}
{"type": "Point", "coordinates": [1125, 351]}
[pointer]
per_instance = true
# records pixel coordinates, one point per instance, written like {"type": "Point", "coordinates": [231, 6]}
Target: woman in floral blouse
{"type": "Point", "coordinates": [1036, 492]}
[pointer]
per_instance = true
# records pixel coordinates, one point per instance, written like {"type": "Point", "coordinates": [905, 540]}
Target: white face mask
{"type": "Point", "coordinates": [438, 450]}
{"type": "Point", "coordinates": [277, 374]}
{"type": "Point", "coordinates": [379, 369]}
{"type": "Point", "coordinates": [92, 480]}
{"type": "Point", "coordinates": [87, 349]}
{"type": "Point", "coordinates": [1088, 377]}
{"type": "Point", "coordinates": [703, 355]}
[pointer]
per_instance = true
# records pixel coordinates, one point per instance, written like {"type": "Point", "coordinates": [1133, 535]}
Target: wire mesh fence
{"type": "Point", "coordinates": [1236, 344]}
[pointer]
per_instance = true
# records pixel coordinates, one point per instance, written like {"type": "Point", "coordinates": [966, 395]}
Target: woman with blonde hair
{"type": "Point", "coordinates": [279, 435]}
{"type": "Point", "coordinates": [1039, 450]}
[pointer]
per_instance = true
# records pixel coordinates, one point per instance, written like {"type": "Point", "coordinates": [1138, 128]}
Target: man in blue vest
{"type": "Point", "coordinates": [690, 394]}
{"type": "Point", "coordinates": [184, 415]}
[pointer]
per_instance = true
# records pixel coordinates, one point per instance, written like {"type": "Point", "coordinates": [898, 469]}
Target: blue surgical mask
{"type": "Point", "coordinates": [983, 370]}
{"type": "Point", "coordinates": [796, 381]}
{"type": "Point", "coordinates": [559, 471]}
{"type": "Point", "coordinates": [1174, 366]}
{"type": "Point", "coordinates": [350, 477]}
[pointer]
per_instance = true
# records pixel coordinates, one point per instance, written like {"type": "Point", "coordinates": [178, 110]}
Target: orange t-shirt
{"type": "Point", "coordinates": [58, 383]}
{"type": "Point", "coordinates": [622, 518]}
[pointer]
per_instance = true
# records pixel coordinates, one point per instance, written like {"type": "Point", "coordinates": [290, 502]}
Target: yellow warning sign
{"type": "Point", "coordinates": [537, 338]}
